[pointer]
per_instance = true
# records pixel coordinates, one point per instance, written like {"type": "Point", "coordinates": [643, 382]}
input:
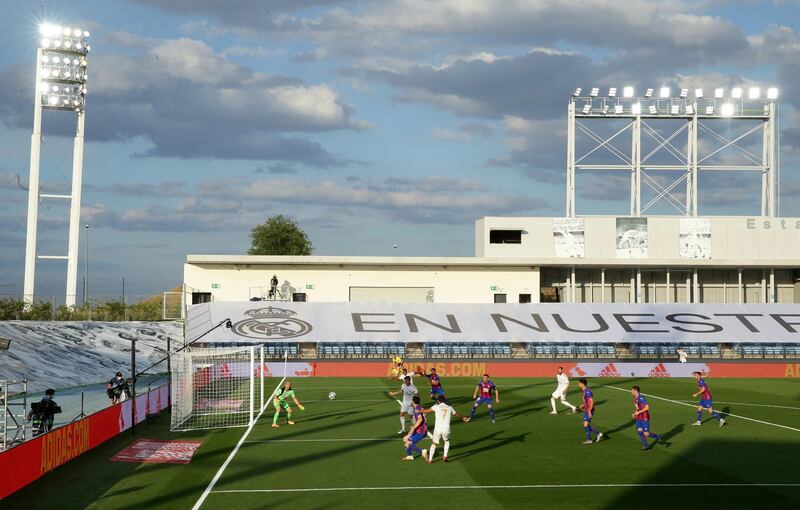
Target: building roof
{"type": "Point", "coordinates": [315, 260]}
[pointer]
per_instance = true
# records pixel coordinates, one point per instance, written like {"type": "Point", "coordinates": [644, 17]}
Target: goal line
{"type": "Point", "coordinates": [243, 439]}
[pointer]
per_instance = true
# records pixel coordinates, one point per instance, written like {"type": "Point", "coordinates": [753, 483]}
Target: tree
{"type": "Point", "coordinates": [279, 235]}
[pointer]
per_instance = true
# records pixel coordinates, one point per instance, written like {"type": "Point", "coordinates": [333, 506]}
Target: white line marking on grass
{"type": "Point", "coordinates": [345, 400]}
{"type": "Point", "coordinates": [233, 453]}
{"type": "Point", "coordinates": [318, 440]}
{"type": "Point", "coordinates": [494, 487]}
{"type": "Point", "coordinates": [749, 404]}
{"type": "Point", "coordinates": [650, 395]}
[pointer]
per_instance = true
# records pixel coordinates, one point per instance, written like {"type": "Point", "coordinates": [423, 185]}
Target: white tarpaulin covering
{"type": "Point", "coordinates": [551, 322]}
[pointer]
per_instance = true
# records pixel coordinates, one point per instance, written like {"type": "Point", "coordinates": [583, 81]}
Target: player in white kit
{"type": "Point", "coordinates": [407, 406]}
{"type": "Point", "coordinates": [561, 391]}
{"type": "Point", "coordinates": [441, 430]}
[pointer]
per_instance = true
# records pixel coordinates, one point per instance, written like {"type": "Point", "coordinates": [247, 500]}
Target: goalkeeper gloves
{"type": "Point", "coordinates": [302, 408]}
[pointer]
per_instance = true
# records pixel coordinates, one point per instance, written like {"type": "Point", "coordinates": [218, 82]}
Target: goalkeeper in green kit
{"type": "Point", "coordinates": [281, 401]}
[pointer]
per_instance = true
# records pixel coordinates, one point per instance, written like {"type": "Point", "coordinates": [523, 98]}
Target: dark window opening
{"type": "Point", "coordinates": [499, 298]}
{"type": "Point", "coordinates": [298, 296]}
{"type": "Point", "coordinates": [505, 237]}
{"type": "Point", "coordinates": [201, 297]}
{"type": "Point", "coordinates": [524, 298]}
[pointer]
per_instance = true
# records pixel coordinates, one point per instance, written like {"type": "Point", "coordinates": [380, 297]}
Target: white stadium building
{"type": "Point", "coordinates": [727, 266]}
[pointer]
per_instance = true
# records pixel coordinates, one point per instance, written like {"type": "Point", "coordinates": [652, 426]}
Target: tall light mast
{"type": "Point", "coordinates": [61, 63]}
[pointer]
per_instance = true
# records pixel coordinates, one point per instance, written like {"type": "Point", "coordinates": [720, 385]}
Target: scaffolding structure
{"type": "Point", "coordinates": [13, 406]}
{"type": "Point", "coordinates": [642, 116]}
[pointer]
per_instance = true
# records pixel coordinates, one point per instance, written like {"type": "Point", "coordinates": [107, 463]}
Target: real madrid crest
{"type": "Point", "coordinates": [271, 322]}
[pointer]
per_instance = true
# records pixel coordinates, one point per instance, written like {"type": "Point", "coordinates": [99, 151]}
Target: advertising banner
{"type": "Point", "coordinates": [695, 238]}
{"type": "Point", "coordinates": [569, 237]}
{"type": "Point", "coordinates": [470, 368]}
{"type": "Point", "coordinates": [259, 322]}
{"type": "Point", "coordinates": [631, 238]}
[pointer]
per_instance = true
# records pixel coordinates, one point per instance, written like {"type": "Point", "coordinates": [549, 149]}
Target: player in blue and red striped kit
{"type": "Point", "coordinates": [418, 431]}
{"type": "Point", "coordinates": [706, 401]}
{"type": "Point", "coordinates": [436, 385]}
{"type": "Point", "coordinates": [642, 417]}
{"type": "Point", "coordinates": [588, 412]}
{"type": "Point", "coordinates": [484, 396]}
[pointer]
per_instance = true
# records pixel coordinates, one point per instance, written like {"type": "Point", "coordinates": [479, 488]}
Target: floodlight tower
{"type": "Point", "coordinates": [61, 62]}
{"type": "Point", "coordinates": [641, 115]}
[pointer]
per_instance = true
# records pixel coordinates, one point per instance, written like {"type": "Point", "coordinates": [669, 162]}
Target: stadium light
{"type": "Point", "coordinates": [648, 93]}
{"type": "Point", "coordinates": [754, 93]}
{"type": "Point", "coordinates": [719, 93]}
{"type": "Point", "coordinates": [594, 92]}
{"type": "Point", "coordinates": [577, 92]}
{"type": "Point", "coordinates": [684, 93]}
{"type": "Point", "coordinates": [709, 110]}
{"type": "Point", "coordinates": [618, 109]}
{"type": "Point", "coordinates": [636, 108]}
{"type": "Point", "coordinates": [627, 91]}
{"type": "Point", "coordinates": [736, 93]}
{"type": "Point", "coordinates": [612, 92]}
{"type": "Point", "coordinates": [689, 109]}
{"type": "Point", "coordinates": [587, 108]}
{"type": "Point", "coordinates": [605, 109]}
{"type": "Point", "coordinates": [675, 109]}
{"type": "Point", "coordinates": [61, 62]}
{"type": "Point", "coordinates": [664, 92]}
{"type": "Point", "coordinates": [698, 93]}
{"type": "Point", "coordinates": [727, 109]}
{"type": "Point", "coordinates": [772, 93]}
{"type": "Point", "coordinates": [653, 110]}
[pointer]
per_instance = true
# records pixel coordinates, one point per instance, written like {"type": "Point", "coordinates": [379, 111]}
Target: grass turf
{"type": "Point", "coordinates": [526, 446]}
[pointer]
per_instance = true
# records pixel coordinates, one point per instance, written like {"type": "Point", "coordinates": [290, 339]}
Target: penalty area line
{"type": "Point", "coordinates": [318, 440]}
{"type": "Point", "coordinates": [497, 487]}
{"type": "Point", "coordinates": [650, 395]}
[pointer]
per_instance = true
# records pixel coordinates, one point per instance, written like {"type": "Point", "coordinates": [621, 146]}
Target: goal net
{"type": "Point", "coordinates": [220, 388]}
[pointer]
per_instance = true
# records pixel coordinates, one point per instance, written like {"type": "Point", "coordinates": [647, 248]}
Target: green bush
{"type": "Point", "coordinates": [107, 311]}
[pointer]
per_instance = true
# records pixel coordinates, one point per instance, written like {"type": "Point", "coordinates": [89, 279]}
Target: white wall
{"type": "Point", "coordinates": [749, 241]}
{"type": "Point", "coordinates": [332, 282]}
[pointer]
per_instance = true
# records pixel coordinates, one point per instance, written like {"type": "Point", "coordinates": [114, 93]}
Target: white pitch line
{"type": "Point", "coordinates": [650, 395]}
{"type": "Point", "coordinates": [753, 405]}
{"type": "Point", "coordinates": [319, 440]}
{"type": "Point", "coordinates": [345, 400]}
{"type": "Point", "coordinates": [224, 465]}
{"type": "Point", "coordinates": [495, 487]}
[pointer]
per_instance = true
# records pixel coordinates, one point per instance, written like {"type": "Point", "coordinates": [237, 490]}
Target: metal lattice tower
{"type": "Point", "coordinates": [643, 115]}
{"type": "Point", "coordinates": [60, 85]}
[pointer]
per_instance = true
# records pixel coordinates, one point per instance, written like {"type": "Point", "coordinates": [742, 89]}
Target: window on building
{"type": "Point", "coordinates": [201, 297]}
{"type": "Point", "coordinates": [299, 296]}
{"type": "Point", "coordinates": [505, 237]}
{"type": "Point", "coordinates": [549, 295]}
{"type": "Point", "coordinates": [524, 298]}
{"type": "Point", "coordinates": [499, 298]}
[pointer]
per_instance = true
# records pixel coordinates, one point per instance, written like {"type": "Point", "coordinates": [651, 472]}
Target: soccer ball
{"type": "Point", "coordinates": [332, 395]}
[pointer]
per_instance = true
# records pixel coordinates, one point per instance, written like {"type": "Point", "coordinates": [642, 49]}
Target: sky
{"type": "Point", "coordinates": [372, 123]}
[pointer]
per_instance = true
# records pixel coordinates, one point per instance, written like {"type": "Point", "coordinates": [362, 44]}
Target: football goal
{"type": "Point", "coordinates": [221, 388]}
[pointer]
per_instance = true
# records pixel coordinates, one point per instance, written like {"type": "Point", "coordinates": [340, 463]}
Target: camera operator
{"type": "Point", "coordinates": [43, 413]}
{"type": "Point", "coordinates": [273, 287]}
{"type": "Point", "coordinates": [118, 390]}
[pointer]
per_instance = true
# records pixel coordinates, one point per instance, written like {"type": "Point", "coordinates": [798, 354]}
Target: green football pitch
{"type": "Point", "coordinates": [346, 453]}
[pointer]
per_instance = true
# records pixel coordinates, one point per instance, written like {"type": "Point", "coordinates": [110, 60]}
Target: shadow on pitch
{"type": "Point", "coordinates": [494, 442]}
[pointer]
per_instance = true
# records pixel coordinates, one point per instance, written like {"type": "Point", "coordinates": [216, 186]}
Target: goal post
{"type": "Point", "coordinates": [219, 388]}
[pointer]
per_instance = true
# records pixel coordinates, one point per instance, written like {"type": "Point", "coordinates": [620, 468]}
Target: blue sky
{"type": "Point", "coordinates": [373, 123]}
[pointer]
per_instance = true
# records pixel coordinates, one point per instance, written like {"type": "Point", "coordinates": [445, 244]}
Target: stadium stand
{"type": "Point", "coordinates": [497, 350]}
